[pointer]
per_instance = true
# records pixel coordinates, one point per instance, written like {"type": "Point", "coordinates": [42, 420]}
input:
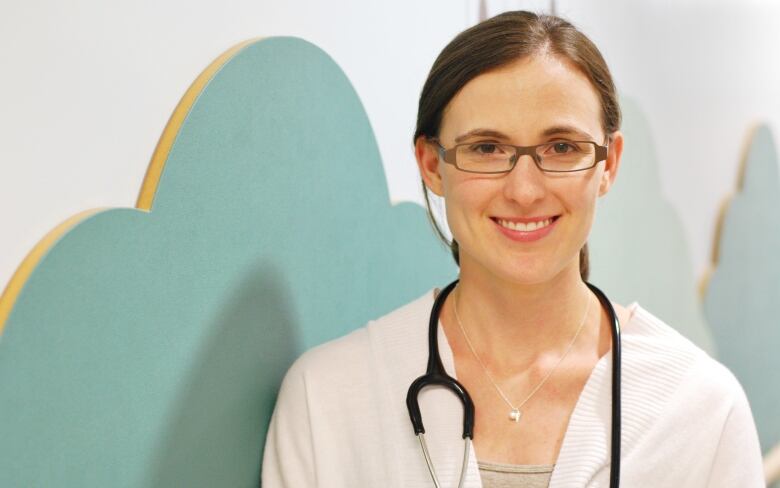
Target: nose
{"type": "Point", "coordinates": [525, 184]}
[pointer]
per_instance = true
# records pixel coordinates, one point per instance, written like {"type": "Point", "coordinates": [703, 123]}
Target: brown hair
{"type": "Point", "coordinates": [497, 42]}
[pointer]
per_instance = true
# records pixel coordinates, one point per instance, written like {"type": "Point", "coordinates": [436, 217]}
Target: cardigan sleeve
{"type": "Point", "coordinates": [737, 460]}
{"type": "Point", "coordinates": [288, 460]}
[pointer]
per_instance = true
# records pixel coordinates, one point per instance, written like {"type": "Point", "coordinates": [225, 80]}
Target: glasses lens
{"type": "Point", "coordinates": [485, 157]}
{"type": "Point", "coordinates": [566, 155]}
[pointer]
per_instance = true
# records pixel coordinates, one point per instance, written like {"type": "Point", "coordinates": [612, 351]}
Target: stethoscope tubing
{"type": "Point", "coordinates": [436, 375]}
{"type": "Point", "coordinates": [617, 425]}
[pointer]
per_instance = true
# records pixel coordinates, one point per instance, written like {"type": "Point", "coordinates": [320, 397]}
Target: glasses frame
{"type": "Point", "coordinates": [448, 156]}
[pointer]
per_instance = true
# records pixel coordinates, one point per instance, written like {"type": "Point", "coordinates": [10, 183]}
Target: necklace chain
{"type": "Point", "coordinates": [515, 412]}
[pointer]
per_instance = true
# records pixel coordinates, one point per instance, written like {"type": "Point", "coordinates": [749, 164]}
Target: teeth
{"type": "Point", "coordinates": [524, 227]}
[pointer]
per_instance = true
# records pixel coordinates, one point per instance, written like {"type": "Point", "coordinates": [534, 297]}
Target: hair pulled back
{"type": "Point", "coordinates": [499, 41]}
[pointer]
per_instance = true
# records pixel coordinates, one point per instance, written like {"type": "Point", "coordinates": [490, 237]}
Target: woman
{"type": "Point", "coordinates": [518, 131]}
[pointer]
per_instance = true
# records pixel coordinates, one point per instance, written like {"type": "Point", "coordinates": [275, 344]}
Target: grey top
{"type": "Point", "coordinates": [496, 475]}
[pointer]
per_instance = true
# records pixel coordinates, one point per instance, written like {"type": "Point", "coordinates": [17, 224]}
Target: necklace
{"type": "Point", "coordinates": [514, 413]}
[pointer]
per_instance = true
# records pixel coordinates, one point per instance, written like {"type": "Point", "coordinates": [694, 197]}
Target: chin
{"type": "Point", "coordinates": [536, 271]}
{"type": "Point", "coordinates": [526, 274]}
{"type": "Point", "coordinates": [529, 279]}
{"type": "Point", "coordinates": [527, 268]}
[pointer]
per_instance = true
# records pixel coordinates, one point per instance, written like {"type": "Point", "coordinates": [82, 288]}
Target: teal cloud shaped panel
{"type": "Point", "coordinates": [146, 348]}
{"type": "Point", "coordinates": [744, 287]}
{"type": "Point", "coordinates": [637, 246]}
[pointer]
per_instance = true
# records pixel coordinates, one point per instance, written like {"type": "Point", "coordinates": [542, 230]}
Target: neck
{"type": "Point", "coordinates": [515, 324]}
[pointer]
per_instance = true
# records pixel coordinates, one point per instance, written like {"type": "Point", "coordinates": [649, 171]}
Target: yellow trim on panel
{"type": "Point", "coordinates": [704, 282]}
{"type": "Point", "coordinates": [772, 465]}
{"type": "Point", "coordinates": [164, 145]}
{"type": "Point", "coordinates": [145, 196]}
{"type": "Point", "coordinates": [19, 278]}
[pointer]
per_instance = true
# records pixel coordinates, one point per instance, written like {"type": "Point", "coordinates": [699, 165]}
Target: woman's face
{"type": "Point", "coordinates": [534, 100]}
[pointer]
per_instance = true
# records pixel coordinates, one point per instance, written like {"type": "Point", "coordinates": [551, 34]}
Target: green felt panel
{"type": "Point", "coordinates": [637, 245]}
{"type": "Point", "coordinates": [744, 288]}
{"type": "Point", "coordinates": [146, 349]}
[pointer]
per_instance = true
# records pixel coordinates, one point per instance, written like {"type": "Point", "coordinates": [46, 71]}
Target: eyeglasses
{"type": "Point", "coordinates": [552, 157]}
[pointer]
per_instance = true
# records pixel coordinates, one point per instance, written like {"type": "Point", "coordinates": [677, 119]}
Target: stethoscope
{"type": "Point", "coordinates": [435, 375]}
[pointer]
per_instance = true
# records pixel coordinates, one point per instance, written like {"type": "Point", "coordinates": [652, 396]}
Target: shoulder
{"type": "Point", "coordinates": [356, 356]}
{"type": "Point", "coordinates": [656, 347]}
{"type": "Point", "coordinates": [670, 380]}
{"type": "Point", "coordinates": [343, 392]}
{"type": "Point", "coordinates": [661, 353]}
{"type": "Point", "coordinates": [678, 396]}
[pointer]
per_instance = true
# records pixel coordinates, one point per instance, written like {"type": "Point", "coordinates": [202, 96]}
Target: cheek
{"type": "Point", "coordinates": [586, 190]}
{"type": "Point", "coordinates": [465, 198]}
{"type": "Point", "coordinates": [587, 206]}
{"type": "Point", "coordinates": [580, 197]}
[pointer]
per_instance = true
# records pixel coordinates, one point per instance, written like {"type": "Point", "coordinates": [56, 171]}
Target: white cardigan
{"type": "Point", "coordinates": [341, 420]}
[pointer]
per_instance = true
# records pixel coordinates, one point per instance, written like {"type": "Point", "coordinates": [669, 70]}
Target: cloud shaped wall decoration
{"type": "Point", "coordinates": [144, 346]}
{"type": "Point", "coordinates": [638, 244]}
{"type": "Point", "coordinates": [744, 286]}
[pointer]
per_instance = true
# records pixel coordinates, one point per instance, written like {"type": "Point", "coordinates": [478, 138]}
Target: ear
{"type": "Point", "coordinates": [427, 155]}
{"type": "Point", "coordinates": [614, 154]}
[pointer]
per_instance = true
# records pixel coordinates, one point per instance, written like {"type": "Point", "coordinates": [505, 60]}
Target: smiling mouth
{"type": "Point", "coordinates": [525, 226]}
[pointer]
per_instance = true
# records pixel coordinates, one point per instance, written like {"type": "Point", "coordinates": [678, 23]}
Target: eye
{"type": "Point", "coordinates": [485, 148]}
{"type": "Point", "coordinates": [562, 147]}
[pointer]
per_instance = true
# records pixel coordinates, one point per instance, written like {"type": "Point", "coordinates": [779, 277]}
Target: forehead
{"type": "Point", "coordinates": [524, 99]}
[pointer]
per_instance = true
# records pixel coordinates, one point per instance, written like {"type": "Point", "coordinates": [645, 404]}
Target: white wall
{"type": "Point", "coordinates": [704, 73]}
{"type": "Point", "coordinates": [87, 87]}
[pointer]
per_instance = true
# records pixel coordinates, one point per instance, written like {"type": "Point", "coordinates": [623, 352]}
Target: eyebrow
{"type": "Point", "coordinates": [568, 130]}
{"type": "Point", "coordinates": [551, 131]}
{"type": "Point", "coordinates": [481, 132]}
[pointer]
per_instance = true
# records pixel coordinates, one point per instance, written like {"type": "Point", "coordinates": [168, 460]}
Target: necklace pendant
{"type": "Point", "coordinates": [514, 415]}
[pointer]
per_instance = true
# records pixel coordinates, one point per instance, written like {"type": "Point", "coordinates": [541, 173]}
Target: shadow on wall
{"type": "Point", "coordinates": [637, 245]}
{"type": "Point", "coordinates": [743, 289]}
{"type": "Point", "coordinates": [147, 344]}
{"type": "Point", "coordinates": [245, 356]}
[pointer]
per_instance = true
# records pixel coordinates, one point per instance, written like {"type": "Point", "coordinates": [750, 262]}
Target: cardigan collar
{"type": "Point", "coordinates": [585, 447]}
